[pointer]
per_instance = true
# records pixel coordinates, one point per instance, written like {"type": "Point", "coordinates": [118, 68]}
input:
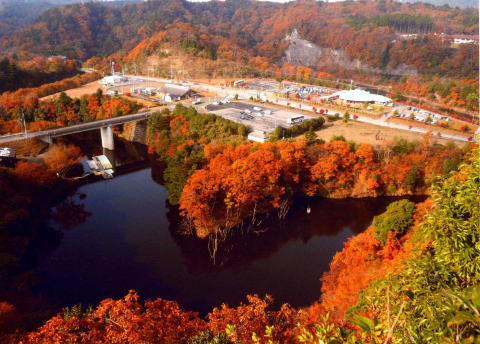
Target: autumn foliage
{"type": "Point", "coordinates": [58, 111]}
{"type": "Point", "coordinates": [34, 173]}
{"type": "Point", "coordinates": [363, 259]}
{"type": "Point", "coordinates": [242, 181]}
{"type": "Point", "coordinates": [122, 321]}
{"type": "Point", "coordinates": [58, 157]}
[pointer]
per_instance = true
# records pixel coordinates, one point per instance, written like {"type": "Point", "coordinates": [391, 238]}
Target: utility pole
{"type": "Point", "coordinates": [24, 123]}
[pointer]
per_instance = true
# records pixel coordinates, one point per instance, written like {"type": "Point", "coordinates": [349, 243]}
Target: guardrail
{"type": "Point", "coordinates": [77, 128]}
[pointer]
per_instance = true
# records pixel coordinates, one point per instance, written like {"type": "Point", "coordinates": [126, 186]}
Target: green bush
{"type": "Point", "coordinates": [338, 138]}
{"type": "Point", "coordinates": [295, 130]}
{"type": "Point", "coordinates": [397, 218]}
{"type": "Point", "coordinates": [182, 162]}
{"type": "Point", "coordinates": [158, 121]}
{"type": "Point", "coordinates": [206, 337]}
{"type": "Point", "coordinates": [435, 294]}
{"type": "Point", "coordinates": [403, 146]}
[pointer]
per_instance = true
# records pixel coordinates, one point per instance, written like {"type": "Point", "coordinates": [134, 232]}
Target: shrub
{"type": "Point", "coordinates": [295, 130]}
{"type": "Point", "coordinates": [403, 146]}
{"type": "Point", "coordinates": [338, 138]}
{"type": "Point", "coordinates": [206, 337]}
{"type": "Point", "coordinates": [397, 218]}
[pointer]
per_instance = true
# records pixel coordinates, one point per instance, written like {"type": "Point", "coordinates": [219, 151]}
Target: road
{"type": "Point", "coordinates": [222, 92]}
{"type": "Point", "coordinates": [77, 128]}
{"type": "Point", "coordinates": [247, 93]}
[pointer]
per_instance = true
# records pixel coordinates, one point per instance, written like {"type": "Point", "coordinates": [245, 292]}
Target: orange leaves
{"type": "Point", "coordinates": [366, 155]}
{"type": "Point", "coordinates": [42, 125]}
{"type": "Point", "coordinates": [125, 321]}
{"type": "Point", "coordinates": [363, 260]}
{"type": "Point", "coordinates": [11, 126]}
{"type": "Point", "coordinates": [253, 317]}
{"type": "Point", "coordinates": [351, 270]}
{"type": "Point", "coordinates": [179, 126]}
{"type": "Point", "coordinates": [235, 184]}
{"type": "Point", "coordinates": [59, 157]}
{"type": "Point", "coordinates": [335, 169]}
{"type": "Point", "coordinates": [112, 107]}
{"type": "Point", "coordinates": [5, 308]}
{"type": "Point", "coordinates": [129, 321]}
{"type": "Point", "coordinates": [260, 62]}
{"type": "Point", "coordinates": [238, 182]}
{"type": "Point", "coordinates": [34, 173]}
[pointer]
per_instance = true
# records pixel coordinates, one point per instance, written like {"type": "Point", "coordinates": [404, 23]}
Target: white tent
{"type": "Point", "coordinates": [360, 95]}
{"type": "Point", "coordinates": [113, 79]}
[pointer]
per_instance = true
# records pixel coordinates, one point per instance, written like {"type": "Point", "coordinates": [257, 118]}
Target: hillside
{"type": "Point", "coordinates": [369, 30]}
{"type": "Point", "coordinates": [459, 3]}
{"type": "Point", "coordinates": [411, 276]}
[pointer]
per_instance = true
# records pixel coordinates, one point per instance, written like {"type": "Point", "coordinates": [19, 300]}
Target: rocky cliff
{"type": "Point", "coordinates": [306, 53]}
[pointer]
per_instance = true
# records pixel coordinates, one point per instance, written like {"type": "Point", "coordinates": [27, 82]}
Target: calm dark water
{"type": "Point", "coordinates": [111, 236]}
{"type": "Point", "coordinates": [130, 242]}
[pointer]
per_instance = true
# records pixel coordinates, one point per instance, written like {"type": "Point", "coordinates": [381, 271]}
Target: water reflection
{"type": "Point", "coordinates": [328, 218]}
{"type": "Point", "coordinates": [71, 212]}
{"type": "Point", "coordinates": [122, 235]}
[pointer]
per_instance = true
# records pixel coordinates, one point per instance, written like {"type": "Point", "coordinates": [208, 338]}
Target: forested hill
{"type": "Point", "coordinates": [368, 29]}
{"type": "Point", "coordinates": [459, 3]}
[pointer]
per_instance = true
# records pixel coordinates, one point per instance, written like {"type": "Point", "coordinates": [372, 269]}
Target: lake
{"type": "Point", "coordinates": [121, 234]}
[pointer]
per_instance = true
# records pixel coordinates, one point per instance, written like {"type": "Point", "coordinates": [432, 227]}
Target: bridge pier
{"type": "Point", "coordinates": [107, 138]}
{"type": "Point", "coordinates": [110, 154]}
{"type": "Point", "coordinates": [47, 139]}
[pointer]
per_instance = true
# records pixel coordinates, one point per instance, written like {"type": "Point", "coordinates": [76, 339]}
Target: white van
{"type": "Point", "coordinates": [295, 120]}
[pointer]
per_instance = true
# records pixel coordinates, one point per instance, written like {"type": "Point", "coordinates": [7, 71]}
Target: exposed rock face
{"type": "Point", "coordinates": [302, 52]}
{"type": "Point", "coordinates": [135, 132]}
{"type": "Point", "coordinates": [306, 53]}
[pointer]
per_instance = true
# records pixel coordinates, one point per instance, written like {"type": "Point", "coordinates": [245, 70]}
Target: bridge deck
{"type": "Point", "coordinates": [77, 128]}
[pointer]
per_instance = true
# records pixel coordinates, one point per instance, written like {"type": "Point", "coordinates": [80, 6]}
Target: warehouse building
{"type": "Point", "coordinates": [359, 96]}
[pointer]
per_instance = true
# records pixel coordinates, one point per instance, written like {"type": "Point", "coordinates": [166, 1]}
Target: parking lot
{"type": "Point", "coordinates": [258, 117]}
{"type": "Point", "coordinates": [410, 112]}
{"type": "Point", "coordinates": [262, 84]}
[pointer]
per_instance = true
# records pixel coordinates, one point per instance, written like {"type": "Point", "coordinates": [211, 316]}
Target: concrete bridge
{"type": "Point", "coordinates": [105, 126]}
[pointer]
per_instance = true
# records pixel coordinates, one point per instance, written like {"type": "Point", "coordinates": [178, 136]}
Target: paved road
{"type": "Point", "coordinates": [77, 128]}
{"type": "Point", "coordinates": [247, 93]}
{"type": "Point", "coordinates": [222, 92]}
{"type": "Point", "coordinates": [381, 122]}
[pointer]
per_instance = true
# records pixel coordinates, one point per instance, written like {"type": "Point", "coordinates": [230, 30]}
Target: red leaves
{"type": "Point", "coordinates": [59, 157]}
{"type": "Point", "coordinates": [34, 173]}
{"type": "Point", "coordinates": [122, 321]}
{"type": "Point", "coordinates": [238, 182]}
{"type": "Point", "coordinates": [253, 316]}
{"type": "Point", "coordinates": [129, 321]}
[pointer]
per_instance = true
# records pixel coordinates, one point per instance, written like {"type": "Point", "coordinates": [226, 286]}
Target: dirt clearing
{"type": "Point", "coordinates": [371, 134]}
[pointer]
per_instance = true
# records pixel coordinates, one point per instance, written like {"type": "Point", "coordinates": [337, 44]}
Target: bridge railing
{"type": "Point", "coordinates": [96, 124]}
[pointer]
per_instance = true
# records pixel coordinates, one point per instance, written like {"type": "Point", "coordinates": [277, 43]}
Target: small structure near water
{"type": "Point", "coordinates": [7, 156]}
{"type": "Point", "coordinates": [100, 166]}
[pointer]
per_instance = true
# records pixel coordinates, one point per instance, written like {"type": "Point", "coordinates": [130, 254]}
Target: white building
{"type": "Point", "coordinates": [113, 79]}
{"type": "Point", "coordinates": [463, 41]}
{"type": "Point", "coordinates": [258, 136]}
{"type": "Point", "coordinates": [171, 92]}
{"type": "Point", "coordinates": [359, 96]}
